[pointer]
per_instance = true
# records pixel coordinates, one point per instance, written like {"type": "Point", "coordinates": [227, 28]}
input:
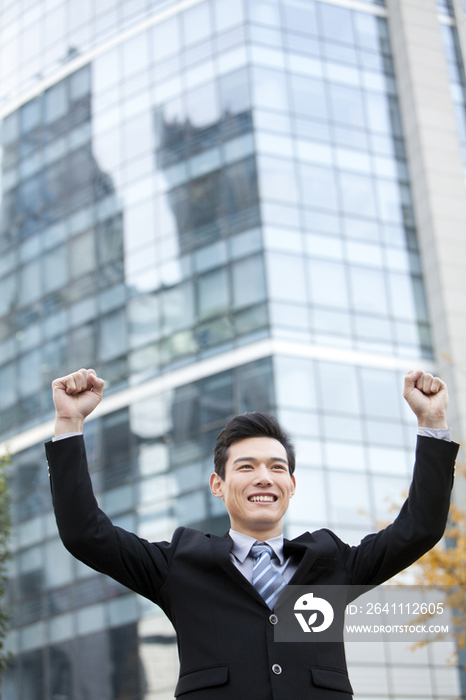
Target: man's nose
{"type": "Point", "coordinates": [263, 475]}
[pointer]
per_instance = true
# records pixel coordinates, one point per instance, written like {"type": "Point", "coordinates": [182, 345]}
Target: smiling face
{"type": "Point", "coordinates": [257, 486]}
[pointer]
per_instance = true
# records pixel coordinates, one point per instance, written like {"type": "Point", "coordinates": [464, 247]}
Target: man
{"type": "Point", "coordinates": [216, 590]}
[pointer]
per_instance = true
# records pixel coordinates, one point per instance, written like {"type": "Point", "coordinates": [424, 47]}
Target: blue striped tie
{"type": "Point", "coordinates": [265, 577]}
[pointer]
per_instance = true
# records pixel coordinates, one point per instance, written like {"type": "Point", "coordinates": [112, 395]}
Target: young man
{"type": "Point", "coordinates": [219, 592]}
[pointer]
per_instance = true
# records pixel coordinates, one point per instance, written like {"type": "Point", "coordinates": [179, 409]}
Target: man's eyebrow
{"type": "Point", "coordinates": [254, 459]}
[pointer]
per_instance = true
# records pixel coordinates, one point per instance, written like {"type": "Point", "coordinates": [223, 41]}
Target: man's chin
{"type": "Point", "coordinates": [265, 520]}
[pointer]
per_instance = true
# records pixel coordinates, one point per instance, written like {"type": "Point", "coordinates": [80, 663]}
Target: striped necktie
{"type": "Point", "coordinates": [265, 577]}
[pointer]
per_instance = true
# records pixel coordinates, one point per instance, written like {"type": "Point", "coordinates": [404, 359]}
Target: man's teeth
{"type": "Point", "coordinates": [265, 499]}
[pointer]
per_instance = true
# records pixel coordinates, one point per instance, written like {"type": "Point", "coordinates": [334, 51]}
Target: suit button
{"type": "Point", "coordinates": [273, 619]}
{"type": "Point", "coordinates": [277, 669]}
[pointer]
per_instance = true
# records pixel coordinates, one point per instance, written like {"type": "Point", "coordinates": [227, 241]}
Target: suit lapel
{"type": "Point", "coordinates": [221, 549]}
{"type": "Point", "coordinates": [303, 551]}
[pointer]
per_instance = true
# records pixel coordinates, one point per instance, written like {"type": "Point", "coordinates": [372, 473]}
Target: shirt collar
{"type": "Point", "coordinates": [242, 546]}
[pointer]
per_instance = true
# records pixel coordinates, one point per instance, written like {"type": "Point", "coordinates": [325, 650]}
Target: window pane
{"type": "Point", "coordinates": [82, 254]}
{"type": "Point", "coordinates": [213, 294]}
{"type": "Point", "coordinates": [308, 97]}
{"type": "Point", "coordinates": [112, 335]}
{"type": "Point", "coordinates": [58, 564]}
{"type": "Point", "coordinates": [56, 102]}
{"type": "Point", "coordinates": [29, 283]}
{"type": "Point", "coordinates": [55, 269]}
{"type": "Point", "coordinates": [202, 104]}
{"type": "Point", "coordinates": [285, 277]}
{"type": "Point", "coordinates": [402, 296]}
{"type": "Point", "coordinates": [255, 387]}
{"type": "Point", "coordinates": [336, 23]}
{"type": "Point", "coordinates": [349, 498]}
{"type": "Point", "coordinates": [216, 399]}
{"type": "Point", "coordinates": [389, 460]}
{"type": "Point", "coordinates": [240, 187]}
{"type": "Point", "coordinates": [339, 388]}
{"type": "Point", "coordinates": [235, 93]}
{"type": "Point", "coordinates": [300, 16]}
{"type": "Point", "coordinates": [8, 384]}
{"type": "Point", "coordinates": [143, 319]}
{"type": "Point", "coordinates": [135, 54]}
{"type": "Point", "coordinates": [390, 203]}
{"type": "Point", "coordinates": [277, 179]}
{"type": "Point", "coordinates": [318, 187]}
{"type": "Point", "coordinates": [368, 290]}
{"type": "Point", "coordinates": [177, 308]}
{"type": "Point", "coordinates": [30, 115]}
{"type": "Point", "coordinates": [358, 195]}
{"type": "Point", "coordinates": [105, 70]}
{"type": "Point", "coordinates": [269, 89]}
{"type": "Point", "coordinates": [196, 23]}
{"type": "Point", "coordinates": [294, 380]}
{"type": "Point", "coordinates": [29, 373]}
{"type": "Point", "coordinates": [381, 393]}
{"type": "Point", "coordinates": [347, 106]}
{"type": "Point", "coordinates": [248, 281]}
{"type": "Point", "coordinates": [344, 455]}
{"type": "Point", "coordinates": [82, 348]}
{"type": "Point", "coordinates": [328, 284]}
{"type": "Point", "coordinates": [7, 294]}
{"type": "Point", "coordinates": [166, 39]}
{"type": "Point", "coordinates": [310, 482]}
{"type": "Point", "coordinates": [227, 13]}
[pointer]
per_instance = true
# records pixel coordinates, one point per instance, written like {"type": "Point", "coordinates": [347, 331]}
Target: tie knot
{"type": "Point", "coordinates": [259, 548]}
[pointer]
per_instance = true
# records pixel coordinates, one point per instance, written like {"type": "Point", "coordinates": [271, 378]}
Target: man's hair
{"type": "Point", "coordinates": [250, 425]}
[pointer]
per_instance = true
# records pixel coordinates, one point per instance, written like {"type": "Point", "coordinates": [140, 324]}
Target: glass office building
{"type": "Point", "coordinates": [209, 202]}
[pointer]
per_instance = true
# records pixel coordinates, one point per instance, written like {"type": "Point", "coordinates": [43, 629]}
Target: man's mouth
{"type": "Point", "coordinates": [262, 499]}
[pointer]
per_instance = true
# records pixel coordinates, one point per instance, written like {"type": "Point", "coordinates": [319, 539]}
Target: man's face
{"type": "Point", "coordinates": [257, 486]}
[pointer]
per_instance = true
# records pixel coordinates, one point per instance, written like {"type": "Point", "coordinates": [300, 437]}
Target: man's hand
{"type": "Point", "coordinates": [427, 397]}
{"type": "Point", "coordinates": [75, 397]}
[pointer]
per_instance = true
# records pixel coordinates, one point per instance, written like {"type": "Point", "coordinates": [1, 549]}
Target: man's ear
{"type": "Point", "coordinates": [294, 484]}
{"type": "Point", "coordinates": [216, 484]}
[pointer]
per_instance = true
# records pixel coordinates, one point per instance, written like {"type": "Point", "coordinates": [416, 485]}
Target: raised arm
{"type": "Point", "coordinates": [422, 519]}
{"type": "Point", "coordinates": [84, 529]}
{"type": "Point", "coordinates": [75, 397]}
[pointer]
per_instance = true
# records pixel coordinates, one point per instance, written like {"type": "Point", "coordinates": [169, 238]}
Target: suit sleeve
{"type": "Point", "coordinates": [88, 533]}
{"type": "Point", "coordinates": [420, 523]}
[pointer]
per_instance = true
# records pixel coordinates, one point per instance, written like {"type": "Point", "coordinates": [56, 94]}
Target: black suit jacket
{"type": "Point", "coordinates": [225, 636]}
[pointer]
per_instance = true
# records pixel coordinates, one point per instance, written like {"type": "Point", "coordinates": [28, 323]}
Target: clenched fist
{"type": "Point", "coordinates": [427, 397]}
{"type": "Point", "coordinates": [75, 397]}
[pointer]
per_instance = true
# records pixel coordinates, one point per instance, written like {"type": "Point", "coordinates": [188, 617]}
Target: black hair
{"type": "Point", "coordinates": [250, 425]}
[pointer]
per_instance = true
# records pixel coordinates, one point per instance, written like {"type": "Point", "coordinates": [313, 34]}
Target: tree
{"type": "Point", "coordinates": [443, 569]}
{"type": "Point", "coordinates": [5, 525]}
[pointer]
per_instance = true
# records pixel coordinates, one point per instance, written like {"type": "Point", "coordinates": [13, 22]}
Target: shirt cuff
{"type": "Point", "coordinates": [439, 433]}
{"type": "Point", "coordinates": [64, 436]}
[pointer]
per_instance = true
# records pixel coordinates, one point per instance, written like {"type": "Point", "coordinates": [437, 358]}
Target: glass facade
{"type": "Point", "coordinates": [224, 181]}
{"type": "Point", "coordinates": [131, 234]}
{"type": "Point", "coordinates": [445, 7]}
{"type": "Point", "coordinates": [457, 78]}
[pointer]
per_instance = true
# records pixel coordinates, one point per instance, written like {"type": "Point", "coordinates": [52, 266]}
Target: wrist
{"type": "Point", "coordinates": [68, 425]}
{"type": "Point", "coordinates": [437, 423]}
